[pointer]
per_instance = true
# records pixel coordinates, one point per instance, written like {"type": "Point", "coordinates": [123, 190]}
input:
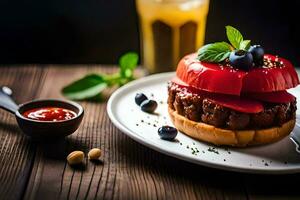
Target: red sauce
{"type": "Point", "coordinates": [51, 114]}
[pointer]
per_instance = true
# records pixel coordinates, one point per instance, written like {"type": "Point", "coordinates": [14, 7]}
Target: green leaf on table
{"type": "Point", "coordinates": [245, 45]}
{"type": "Point", "coordinates": [85, 88]}
{"type": "Point", "coordinates": [91, 87]}
{"type": "Point", "coordinates": [215, 52]}
{"type": "Point", "coordinates": [234, 36]}
{"type": "Point", "coordinates": [128, 63]}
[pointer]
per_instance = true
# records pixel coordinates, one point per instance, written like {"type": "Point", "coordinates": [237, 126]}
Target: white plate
{"type": "Point", "coordinates": [276, 158]}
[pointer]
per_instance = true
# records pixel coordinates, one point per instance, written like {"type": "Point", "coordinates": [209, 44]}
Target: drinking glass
{"type": "Point", "coordinates": [169, 30]}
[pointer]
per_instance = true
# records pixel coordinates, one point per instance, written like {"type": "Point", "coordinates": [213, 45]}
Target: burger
{"type": "Point", "coordinates": [233, 94]}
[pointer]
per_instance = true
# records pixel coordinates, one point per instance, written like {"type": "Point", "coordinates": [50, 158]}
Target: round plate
{"type": "Point", "coordinates": [276, 158]}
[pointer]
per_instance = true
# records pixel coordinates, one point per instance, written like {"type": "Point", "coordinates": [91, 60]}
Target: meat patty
{"type": "Point", "coordinates": [200, 109]}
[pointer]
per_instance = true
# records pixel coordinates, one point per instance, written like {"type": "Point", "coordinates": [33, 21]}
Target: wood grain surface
{"type": "Point", "coordinates": [128, 170]}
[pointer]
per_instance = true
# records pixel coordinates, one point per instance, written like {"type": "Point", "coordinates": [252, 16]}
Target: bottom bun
{"type": "Point", "coordinates": [238, 138]}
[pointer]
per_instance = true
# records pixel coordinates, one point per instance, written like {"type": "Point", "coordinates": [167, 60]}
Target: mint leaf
{"type": "Point", "coordinates": [85, 88]}
{"type": "Point", "coordinates": [215, 52]}
{"type": "Point", "coordinates": [245, 45]}
{"type": "Point", "coordinates": [128, 63]}
{"type": "Point", "coordinates": [234, 36]}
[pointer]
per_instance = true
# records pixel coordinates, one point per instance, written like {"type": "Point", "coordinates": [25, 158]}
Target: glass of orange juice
{"type": "Point", "coordinates": [169, 30]}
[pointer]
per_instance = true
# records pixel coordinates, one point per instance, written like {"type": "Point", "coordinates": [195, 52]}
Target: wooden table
{"type": "Point", "coordinates": [129, 170]}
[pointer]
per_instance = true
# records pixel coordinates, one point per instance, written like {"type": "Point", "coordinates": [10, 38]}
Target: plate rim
{"type": "Point", "coordinates": [155, 147]}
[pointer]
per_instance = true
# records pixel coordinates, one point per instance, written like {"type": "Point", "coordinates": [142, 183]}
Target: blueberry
{"type": "Point", "coordinates": [149, 106]}
{"type": "Point", "coordinates": [241, 59]}
{"type": "Point", "coordinates": [258, 54]}
{"type": "Point", "coordinates": [139, 98]}
{"type": "Point", "coordinates": [167, 132]}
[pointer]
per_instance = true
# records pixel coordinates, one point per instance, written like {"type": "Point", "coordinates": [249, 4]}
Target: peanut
{"type": "Point", "coordinates": [75, 157]}
{"type": "Point", "coordinates": [94, 154]}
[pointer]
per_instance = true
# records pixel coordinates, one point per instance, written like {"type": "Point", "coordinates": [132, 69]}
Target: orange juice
{"type": "Point", "coordinates": [169, 30]}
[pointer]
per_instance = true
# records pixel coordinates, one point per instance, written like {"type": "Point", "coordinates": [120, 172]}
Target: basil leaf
{"type": "Point", "coordinates": [215, 52]}
{"type": "Point", "coordinates": [245, 45]}
{"type": "Point", "coordinates": [234, 36]}
{"type": "Point", "coordinates": [85, 88]}
{"type": "Point", "coordinates": [128, 63]}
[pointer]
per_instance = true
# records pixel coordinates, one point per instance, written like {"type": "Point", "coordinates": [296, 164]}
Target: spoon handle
{"type": "Point", "coordinates": [6, 102]}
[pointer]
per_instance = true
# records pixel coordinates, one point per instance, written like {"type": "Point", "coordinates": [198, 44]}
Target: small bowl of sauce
{"type": "Point", "coordinates": [49, 118]}
{"type": "Point", "coordinates": [45, 118]}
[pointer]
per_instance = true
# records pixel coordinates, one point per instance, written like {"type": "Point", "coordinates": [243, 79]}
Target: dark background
{"type": "Point", "coordinates": [99, 31]}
